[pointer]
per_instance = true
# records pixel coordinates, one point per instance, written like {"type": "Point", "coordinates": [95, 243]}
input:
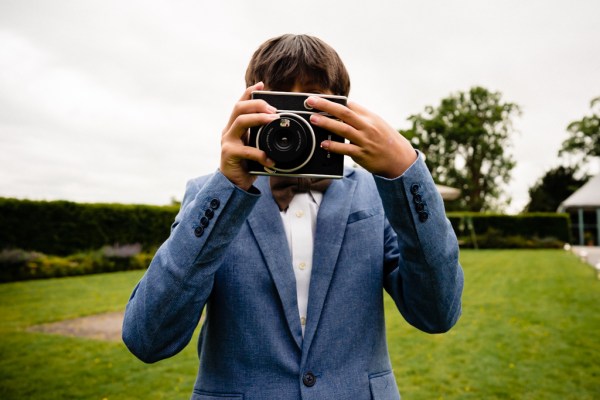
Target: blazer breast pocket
{"type": "Point", "coordinates": [383, 386]}
{"type": "Point", "coordinates": [216, 396]}
{"type": "Point", "coordinates": [363, 214]}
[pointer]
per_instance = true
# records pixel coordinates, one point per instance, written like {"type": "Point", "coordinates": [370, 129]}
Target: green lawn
{"type": "Point", "coordinates": [530, 330]}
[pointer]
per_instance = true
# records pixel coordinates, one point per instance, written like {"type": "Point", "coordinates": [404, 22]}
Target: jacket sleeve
{"type": "Point", "coordinates": [165, 306]}
{"type": "Point", "coordinates": [424, 276]}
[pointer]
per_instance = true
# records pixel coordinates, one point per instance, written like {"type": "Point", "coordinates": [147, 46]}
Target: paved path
{"type": "Point", "coordinates": [589, 254]}
{"type": "Point", "coordinates": [100, 327]}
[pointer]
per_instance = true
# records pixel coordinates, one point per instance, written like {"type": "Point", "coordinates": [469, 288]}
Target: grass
{"type": "Point", "coordinates": [40, 366]}
{"type": "Point", "coordinates": [530, 330]}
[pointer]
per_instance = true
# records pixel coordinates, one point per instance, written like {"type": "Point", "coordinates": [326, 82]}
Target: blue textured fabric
{"type": "Point", "coordinates": [372, 234]}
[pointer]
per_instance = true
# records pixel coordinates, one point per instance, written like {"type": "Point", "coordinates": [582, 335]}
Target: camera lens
{"type": "Point", "coordinates": [289, 141]}
{"type": "Point", "coordinates": [283, 141]}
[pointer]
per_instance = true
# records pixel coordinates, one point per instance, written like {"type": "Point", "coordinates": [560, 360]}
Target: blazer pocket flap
{"type": "Point", "coordinates": [383, 386]}
{"type": "Point", "coordinates": [362, 214]}
{"type": "Point", "coordinates": [216, 396]}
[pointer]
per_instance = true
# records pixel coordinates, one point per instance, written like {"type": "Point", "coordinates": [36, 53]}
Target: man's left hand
{"type": "Point", "coordinates": [374, 144]}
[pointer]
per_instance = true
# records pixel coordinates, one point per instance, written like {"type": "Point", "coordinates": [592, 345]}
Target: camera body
{"type": "Point", "coordinates": [292, 142]}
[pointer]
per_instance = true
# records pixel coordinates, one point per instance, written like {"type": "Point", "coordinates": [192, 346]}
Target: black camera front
{"type": "Point", "coordinates": [292, 142]}
{"type": "Point", "coordinates": [289, 141]}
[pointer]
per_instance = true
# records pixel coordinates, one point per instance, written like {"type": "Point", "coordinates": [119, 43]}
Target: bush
{"type": "Point", "coordinates": [534, 230]}
{"type": "Point", "coordinates": [493, 239]}
{"type": "Point", "coordinates": [18, 265]}
{"type": "Point", "coordinates": [63, 228]}
{"type": "Point", "coordinates": [76, 231]}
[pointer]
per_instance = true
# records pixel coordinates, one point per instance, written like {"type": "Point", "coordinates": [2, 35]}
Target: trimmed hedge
{"type": "Point", "coordinates": [532, 230]}
{"type": "Point", "coordinates": [63, 227]}
{"type": "Point", "coordinates": [44, 239]}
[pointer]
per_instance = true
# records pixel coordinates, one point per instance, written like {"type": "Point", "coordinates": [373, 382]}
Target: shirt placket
{"type": "Point", "coordinates": [301, 238]}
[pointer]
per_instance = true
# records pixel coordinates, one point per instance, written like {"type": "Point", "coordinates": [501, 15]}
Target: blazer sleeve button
{"type": "Point", "coordinates": [423, 216]}
{"type": "Point", "coordinates": [309, 379]}
{"type": "Point", "coordinates": [414, 188]}
{"type": "Point", "coordinates": [209, 213]}
{"type": "Point", "coordinates": [198, 231]}
{"type": "Point", "coordinates": [215, 203]}
{"type": "Point", "coordinates": [204, 222]}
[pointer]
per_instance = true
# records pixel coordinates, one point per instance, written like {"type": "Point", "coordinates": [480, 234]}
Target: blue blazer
{"type": "Point", "coordinates": [227, 256]}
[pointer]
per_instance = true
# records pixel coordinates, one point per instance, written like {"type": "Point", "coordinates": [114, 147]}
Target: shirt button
{"type": "Point", "coordinates": [309, 379]}
{"type": "Point", "coordinates": [302, 265]}
{"type": "Point", "coordinates": [299, 213]}
{"type": "Point", "coordinates": [303, 320]}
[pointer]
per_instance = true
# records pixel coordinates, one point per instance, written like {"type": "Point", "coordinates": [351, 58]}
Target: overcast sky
{"type": "Point", "coordinates": [124, 101]}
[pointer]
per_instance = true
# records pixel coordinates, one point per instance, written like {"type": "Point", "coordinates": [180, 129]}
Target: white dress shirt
{"type": "Point", "coordinates": [299, 222]}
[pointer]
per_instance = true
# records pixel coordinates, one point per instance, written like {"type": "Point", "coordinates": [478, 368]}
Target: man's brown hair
{"type": "Point", "coordinates": [282, 61]}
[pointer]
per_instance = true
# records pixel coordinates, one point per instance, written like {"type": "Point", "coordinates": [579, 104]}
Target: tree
{"type": "Point", "coordinates": [584, 139]}
{"type": "Point", "coordinates": [553, 188]}
{"type": "Point", "coordinates": [465, 140]}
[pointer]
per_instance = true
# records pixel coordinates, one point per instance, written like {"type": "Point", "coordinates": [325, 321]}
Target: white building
{"type": "Point", "coordinates": [584, 208]}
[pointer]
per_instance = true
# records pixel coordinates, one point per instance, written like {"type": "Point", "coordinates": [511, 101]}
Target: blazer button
{"type": "Point", "coordinates": [420, 206]}
{"type": "Point", "coordinates": [204, 222]}
{"type": "Point", "coordinates": [423, 216]}
{"type": "Point", "coordinates": [417, 198]}
{"type": "Point", "coordinates": [309, 379]}
{"type": "Point", "coordinates": [209, 213]}
{"type": "Point", "coordinates": [414, 188]}
{"type": "Point", "coordinates": [198, 231]}
{"type": "Point", "coordinates": [215, 203]}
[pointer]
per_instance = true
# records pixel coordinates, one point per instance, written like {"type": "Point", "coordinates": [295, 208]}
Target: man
{"type": "Point", "coordinates": [293, 293]}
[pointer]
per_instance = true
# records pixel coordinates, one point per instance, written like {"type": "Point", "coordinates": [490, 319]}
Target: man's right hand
{"type": "Point", "coordinates": [234, 151]}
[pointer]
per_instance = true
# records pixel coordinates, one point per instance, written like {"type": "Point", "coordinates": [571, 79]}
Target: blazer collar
{"type": "Point", "coordinates": [267, 227]}
{"type": "Point", "coordinates": [331, 225]}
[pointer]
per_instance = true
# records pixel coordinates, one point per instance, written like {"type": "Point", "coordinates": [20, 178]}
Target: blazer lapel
{"type": "Point", "coordinates": [331, 225]}
{"type": "Point", "coordinates": [267, 227]}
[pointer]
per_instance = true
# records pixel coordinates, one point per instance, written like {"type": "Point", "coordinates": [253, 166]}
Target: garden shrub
{"type": "Point", "coordinates": [43, 239]}
{"type": "Point", "coordinates": [63, 227]}
{"type": "Point", "coordinates": [533, 230]}
{"type": "Point", "coordinates": [18, 265]}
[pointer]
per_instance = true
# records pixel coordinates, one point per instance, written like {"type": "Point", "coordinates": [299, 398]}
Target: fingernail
{"type": "Point", "coordinates": [271, 109]}
{"type": "Point", "coordinates": [270, 162]}
{"type": "Point", "coordinates": [325, 144]}
{"type": "Point", "coordinates": [312, 100]}
{"type": "Point", "coordinates": [315, 118]}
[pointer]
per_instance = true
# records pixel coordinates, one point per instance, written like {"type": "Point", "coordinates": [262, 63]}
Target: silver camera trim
{"type": "Point", "coordinates": [310, 129]}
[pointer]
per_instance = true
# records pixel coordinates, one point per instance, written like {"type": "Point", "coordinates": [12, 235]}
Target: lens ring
{"type": "Point", "coordinates": [306, 128]}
